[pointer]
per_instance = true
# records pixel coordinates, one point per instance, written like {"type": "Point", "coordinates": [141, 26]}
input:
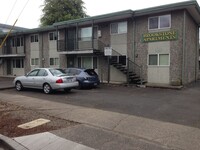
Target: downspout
{"type": "Point", "coordinates": [57, 38]}
{"type": "Point", "coordinates": [197, 55]}
{"type": "Point", "coordinates": [43, 60]}
{"type": "Point", "coordinates": [183, 51]}
{"type": "Point", "coordinates": [76, 41]}
{"type": "Point", "coordinates": [92, 34]}
{"type": "Point", "coordinates": [134, 32]}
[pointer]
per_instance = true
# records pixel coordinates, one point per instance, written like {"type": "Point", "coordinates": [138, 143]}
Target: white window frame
{"type": "Point", "coordinates": [92, 61]}
{"type": "Point", "coordinates": [34, 60]}
{"type": "Point", "coordinates": [54, 36]}
{"type": "Point", "coordinates": [159, 22]}
{"type": "Point", "coordinates": [55, 61]}
{"type": "Point", "coordinates": [118, 29]}
{"type": "Point", "coordinates": [21, 63]}
{"type": "Point", "coordinates": [15, 42]}
{"type": "Point", "coordinates": [35, 38]}
{"type": "Point", "coordinates": [158, 59]}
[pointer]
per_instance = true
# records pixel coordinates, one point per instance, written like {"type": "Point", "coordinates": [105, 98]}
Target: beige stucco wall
{"type": "Point", "coordinates": [53, 51]}
{"type": "Point", "coordinates": [34, 53]}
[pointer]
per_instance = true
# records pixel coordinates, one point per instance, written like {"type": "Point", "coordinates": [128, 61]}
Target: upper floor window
{"type": "Point", "coordinates": [18, 41]}
{"type": "Point", "coordinates": [52, 36]}
{"type": "Point", "coordinates": [118, 28]}
{"type": "Point", "coordinates": [160, 22]}
{"type": "Point", "coordinates": [85, 34]}
{"type": "Point", "coordinates": [34, 38]}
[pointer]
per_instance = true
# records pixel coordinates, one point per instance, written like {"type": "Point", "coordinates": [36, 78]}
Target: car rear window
{"type": "Point", "coordinates": [57, 72]}
{"type": "Point", "coordinates": [91, 72]}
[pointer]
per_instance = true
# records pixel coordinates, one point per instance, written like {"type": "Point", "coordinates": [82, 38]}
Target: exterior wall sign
{"type": "Point", "coordinates": [160, 36]}
{"type": "Point", "coordinates": [108, 51]}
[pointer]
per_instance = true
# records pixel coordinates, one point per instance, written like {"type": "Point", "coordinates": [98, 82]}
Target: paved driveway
{"type": "Point", "coordinates": [176, 106]}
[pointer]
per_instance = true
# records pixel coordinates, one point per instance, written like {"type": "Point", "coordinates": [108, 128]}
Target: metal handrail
{"type": "Point", "coordinates": [131, 66]}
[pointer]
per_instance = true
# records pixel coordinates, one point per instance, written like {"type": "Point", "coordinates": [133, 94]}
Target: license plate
{"type": "Point", "coordinates": [69, 80]}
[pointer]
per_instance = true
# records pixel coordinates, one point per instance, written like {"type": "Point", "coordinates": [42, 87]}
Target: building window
{"type": "Point", "coordinates": [159, 59]}
{"type": "Point", "coordinates": [52, 36]}
{"type": "Point", "coordinates": [54, 61]}
{"type": "Point", "coordinates": [18, 63]}
{"type": "Point", "coordinates": [85, 34]}
{"type": "Point", "coordinates": [118, 28]}
{"type": "Point", "coordinates": [160, 22]}
{"type": "Point", "coordinates": [34, 61]}
{"type": "Point", "coordinates": [18, 41]}
{"type": "Point", "coordinates": [87, 62]}
{"type": "Point", "coordinates": [34, 38]}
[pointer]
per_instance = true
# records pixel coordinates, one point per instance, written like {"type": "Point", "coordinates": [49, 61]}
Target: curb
{"type": "Point", "coordinates": [5, 88]}
{"type": "Point", "coordinates": [10, 144]}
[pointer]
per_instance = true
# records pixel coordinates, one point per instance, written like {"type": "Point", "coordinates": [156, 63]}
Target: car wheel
{"type": "Point", "coordinates": [18, 86]}
{"type": "Point", "coordinates": [47, 88]}
{"type": "Point", "coordinates": [67, 90]}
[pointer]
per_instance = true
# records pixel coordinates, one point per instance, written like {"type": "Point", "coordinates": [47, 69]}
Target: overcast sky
{"type": "Point", "coordinates": [31, 14]}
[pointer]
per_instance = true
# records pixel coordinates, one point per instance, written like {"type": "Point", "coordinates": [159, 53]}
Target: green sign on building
{"type": "Point", "coordinates": [160, 36]}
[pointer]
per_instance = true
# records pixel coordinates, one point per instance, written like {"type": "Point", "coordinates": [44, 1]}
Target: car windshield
{"type": "Point", "coordinates": [91, 72]}
{"type": "Point", "coordinates": [57, 72]}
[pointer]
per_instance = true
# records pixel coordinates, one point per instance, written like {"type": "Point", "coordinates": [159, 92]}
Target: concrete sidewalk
{"type": "Point", "coordinates": [169, 135]}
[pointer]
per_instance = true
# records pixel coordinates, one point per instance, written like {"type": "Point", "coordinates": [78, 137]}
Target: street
{"type": "Point", "coordinates": [175, 106]}
{"type": "Point", "coordinates": [117, 117]}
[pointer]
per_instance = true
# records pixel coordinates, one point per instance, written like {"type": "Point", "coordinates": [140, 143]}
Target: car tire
{"type": "Point", "coordinates": [67, 90]}
{"type": "Point", "coordinates": [18, 86]}
{"type": "Point", "coordinates": [47, 88]}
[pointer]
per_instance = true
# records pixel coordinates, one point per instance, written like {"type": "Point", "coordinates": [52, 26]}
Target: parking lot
{"type": "Point", "coordinates": [174, 106]}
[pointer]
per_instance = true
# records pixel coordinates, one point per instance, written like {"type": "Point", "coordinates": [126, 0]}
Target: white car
{"type": "Point", "coordinates": [48, 79]}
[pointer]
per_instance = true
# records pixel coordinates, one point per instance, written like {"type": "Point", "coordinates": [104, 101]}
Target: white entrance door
{"type": "Point", "coordinates": [158, 68]}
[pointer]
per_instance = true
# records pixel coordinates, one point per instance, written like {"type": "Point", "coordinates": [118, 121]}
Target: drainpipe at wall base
{"type": "Point", "coordinates": [127, 76]}
{"type": "Point", "coordinates": [108, 69]}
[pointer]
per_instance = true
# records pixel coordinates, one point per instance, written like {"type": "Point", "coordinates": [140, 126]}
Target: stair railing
{"type": "Point", "coordinates": [131, 66]}
{"type": "Point", "coordinates": [135, 68]}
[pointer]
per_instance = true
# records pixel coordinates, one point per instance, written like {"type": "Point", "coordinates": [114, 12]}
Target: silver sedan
{"type": "Point", "coordinates": [48, 79]}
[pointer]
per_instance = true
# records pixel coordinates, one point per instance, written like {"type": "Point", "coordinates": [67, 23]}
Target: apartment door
{"type": "Point", "coordinates": [70, 62]}
{"type": "Point", "coordinates": [71, 39]}
{"type": "Point", "coordinates": [9, 69]}
{"type": "Point", "coordinates": [158, 68]}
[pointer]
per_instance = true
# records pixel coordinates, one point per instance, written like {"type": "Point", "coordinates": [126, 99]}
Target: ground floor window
{"type": "Point", "coordinates": [87, 62]}
{"type": "Point", "coordinates": [34, 61]}
{"type": "Point", "coordinates": [158, 60]}
{"type": "Point", "coordinates": [54, 61]}
{"type": "Point", "coordinates": [18, 63]}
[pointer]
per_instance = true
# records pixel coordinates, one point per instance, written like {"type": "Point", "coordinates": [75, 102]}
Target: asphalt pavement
{"type": "Point", "coordinates": [103, 129]}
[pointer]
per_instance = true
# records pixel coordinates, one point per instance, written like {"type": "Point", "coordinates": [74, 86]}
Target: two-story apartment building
{"type": "Point", "coordinates": [158, 45]}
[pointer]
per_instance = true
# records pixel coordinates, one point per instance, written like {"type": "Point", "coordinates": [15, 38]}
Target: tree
{"type": "Point", "coordinates": [61, 10]}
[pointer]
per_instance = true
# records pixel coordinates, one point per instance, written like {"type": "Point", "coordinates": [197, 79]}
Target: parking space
{"type": "Point", "coordinates": [176, 106]}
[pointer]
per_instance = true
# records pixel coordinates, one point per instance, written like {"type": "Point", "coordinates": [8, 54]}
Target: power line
{"type": "Point", "coordinates": [23, 8]}
{"type": "Point", "coordinates": [11, 11]}
{"type": "Point", "coordinates": [13, 25]}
